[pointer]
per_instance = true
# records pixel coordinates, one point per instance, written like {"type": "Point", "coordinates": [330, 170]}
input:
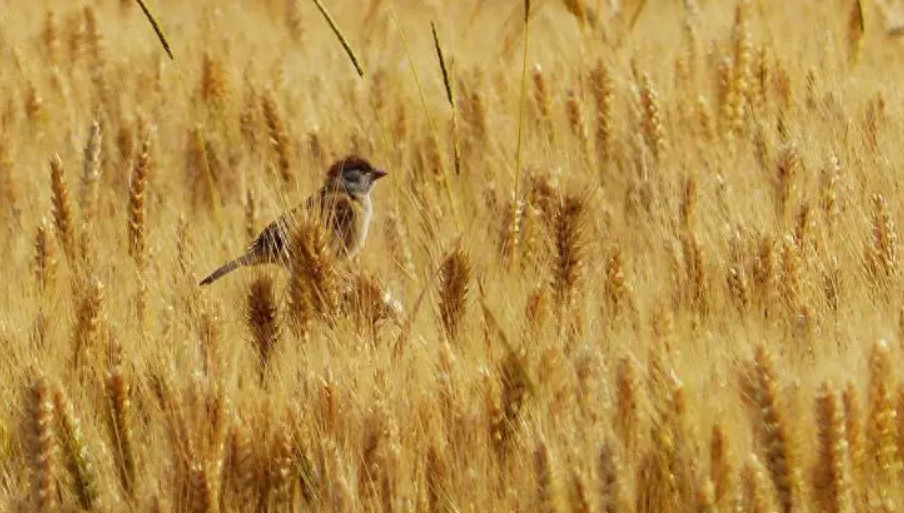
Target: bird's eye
{"type": "Point", "coordinates": [353, 174]}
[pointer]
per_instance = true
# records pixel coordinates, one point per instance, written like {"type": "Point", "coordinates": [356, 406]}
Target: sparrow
{"type": "Point", "coordinates": [342, 205]}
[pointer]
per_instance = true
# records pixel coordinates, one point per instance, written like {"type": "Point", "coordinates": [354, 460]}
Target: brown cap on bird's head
{"type": "Point", "coordinates": [352, 162]}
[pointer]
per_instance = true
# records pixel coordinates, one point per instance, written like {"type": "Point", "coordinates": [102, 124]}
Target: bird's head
{"type": "Point", "coordinates": [353, 175]}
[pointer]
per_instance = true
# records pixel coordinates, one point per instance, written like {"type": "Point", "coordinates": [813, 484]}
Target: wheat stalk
{"type": "Point", "coordinates": [312, 285]}
{"type": "Point", "coordinates": [262, 317]}
{"type": "Point", "coordinates": [882, 417]}
{"type": "Point", "coordinates": [137, 209]}
{"type": "Point", "coordinates": [574, 108]}
{"type": "Point", "coordinates": [775, 436]}
{"type": "Point", "coordinates": [62, 210]}
{"type": "Point", "coordinates": [119, 423]}
{"type": "Point", "coordinates": [455, 275]}
{"type": "Point", "coordinates": [570, 247]}
{"type": "Point", "coordinates": [279, 139]}
{"type": "Point", "coordinates": [833, 472]}
{"type": "Point", "coordinates": [89, 314]}
{"type": "Point", "coordinates": [853, 430]}
{"type": "Point", "coordinates": [91, 172]}
{"type": "Point", "coordinates": [603, 89]}
{"type": "Point", "coordinates": [75, 450]}
{"type": "Point", "coordinates": [214, 87]}
{"type": "Point", "coordinates": [45, 263]}
{"type": "Point", "coordinates": [651, 121]}
{"type": "Point", "coordinates": [251, 229]}
{"type": "Point", "coordinates": [609, 489]}
{"type": "Point", "coordinates": [203, 491]}
{"type": "Point", "coordinates": [882, 258]}
{"type": "Point", "coordinates": [42, 446]}
{"type": "Point", "coordinates": [50, 36]}
{"type": "Point", "coordinates": [516, 190]}
{"type": "Point", "coordinates": [739, 84]}
{"type": "Point", "coordinates": [542, 101]}
{"type": "Point", "coordinates": [547, 488]}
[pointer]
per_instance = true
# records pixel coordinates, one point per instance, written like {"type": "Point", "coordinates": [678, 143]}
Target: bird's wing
{"type": "Point", "coordinates": [341, 212]}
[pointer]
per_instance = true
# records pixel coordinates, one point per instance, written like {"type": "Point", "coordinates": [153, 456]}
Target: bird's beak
{"type": "Point", "coordinates": [379, 173]}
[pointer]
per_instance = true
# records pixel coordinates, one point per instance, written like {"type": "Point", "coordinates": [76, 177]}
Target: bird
{"type": "Point", "coordinates": [343, 206]}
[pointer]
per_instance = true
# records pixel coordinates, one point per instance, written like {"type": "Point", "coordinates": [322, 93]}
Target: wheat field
{"type": "Point", "coordinates": [632, 256]}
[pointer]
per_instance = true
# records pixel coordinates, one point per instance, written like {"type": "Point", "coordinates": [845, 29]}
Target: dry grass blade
{"type": "Point", "coordinates": [436, 478]}
{"type": "Point", "coordinates": [434, 135]}
{"type": "Point", "coordinates": [347, 47]}
{"type": "Point", "coordinates": [856, 31]}
{"type": "Point", "coordinates": [636, 15]}
{"type": "Point", "coordinates": [442, 65]}
{"type": "Point", "coordinates": [405, 332]}
{"type": "Point", "coordinates": [157, 30]}
{"type": "Point", "coordinates": [515, 365]}
{"type": "Point", "coordinates": [450, 96]}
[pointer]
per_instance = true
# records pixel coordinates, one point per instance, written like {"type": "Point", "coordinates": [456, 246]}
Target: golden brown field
{"type": "Point", "coordinates": [666, 277]}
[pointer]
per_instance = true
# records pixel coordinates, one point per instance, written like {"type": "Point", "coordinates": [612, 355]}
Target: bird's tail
{"type": "Point", "coordinates": [227, 268]}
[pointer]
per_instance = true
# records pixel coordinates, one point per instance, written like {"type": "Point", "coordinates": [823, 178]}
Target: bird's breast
{"type": "Point", "coordinates": [348, 219]}
{"type": "Point", "coordinates": [358, 229]}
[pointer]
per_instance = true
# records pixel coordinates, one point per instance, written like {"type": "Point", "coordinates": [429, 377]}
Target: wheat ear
{"type": "Point", "coordinates": [119, 423]}
{"type": "Point", "coordinates": [75, 450]}
{"type": "Point", "coordinates": [262, 317]}
{"type": "Point", "coordinates": [62, 209]}
{"type": "Point", "coordinates": [137, 214]}
{"type": "Point", "coordinates": [42, 447]}
{"type": "Point", "coordinates": [775, 436]}
{"type": "Point", "coordinates": [455, 275]}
